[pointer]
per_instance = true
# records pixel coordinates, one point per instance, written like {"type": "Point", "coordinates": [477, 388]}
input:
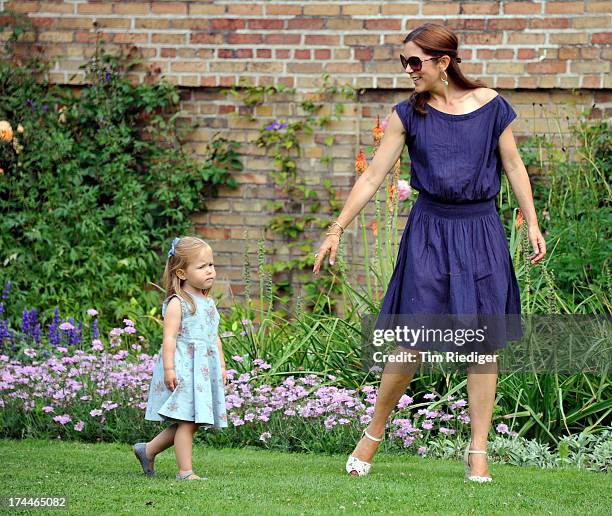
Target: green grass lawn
{"type": "Point", "coordinates": [106, 478]}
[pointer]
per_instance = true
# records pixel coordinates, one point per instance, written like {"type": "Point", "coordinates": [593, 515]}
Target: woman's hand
{"type": "Point", "coordinates": [224, 374]}
{"type": "Point", "coordinates": [330, 245]}
{"type": "Point", "coordinates": [170, 379]}
{"type": "Point", "coordinates": [537, 243]}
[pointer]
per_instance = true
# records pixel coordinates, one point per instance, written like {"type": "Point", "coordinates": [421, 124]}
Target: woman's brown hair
{"type": "Point", "coordinates": [185, 251]}
{"type": "Point", "coordinates": [437, 41]}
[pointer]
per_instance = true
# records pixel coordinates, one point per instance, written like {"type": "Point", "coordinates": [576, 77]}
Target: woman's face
{"type": "Point", "coordinates": [428, 75]}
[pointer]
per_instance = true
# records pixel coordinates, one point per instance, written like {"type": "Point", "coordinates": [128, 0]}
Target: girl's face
{"type": "Point", "coordinates": [200, 273]}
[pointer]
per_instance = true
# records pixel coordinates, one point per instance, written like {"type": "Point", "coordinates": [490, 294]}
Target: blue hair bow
{"type": "Point", "coordinates": [173, 247]}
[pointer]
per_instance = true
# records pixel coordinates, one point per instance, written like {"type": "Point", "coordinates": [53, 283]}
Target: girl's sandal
{"type": "Point", "coordinates": [190, 475]}
{"type": "Point", "coordinates": [140, 450]}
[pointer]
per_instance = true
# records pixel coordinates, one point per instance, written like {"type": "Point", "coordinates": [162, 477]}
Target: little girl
{"type": "Point", "coordinates": [187, 387]}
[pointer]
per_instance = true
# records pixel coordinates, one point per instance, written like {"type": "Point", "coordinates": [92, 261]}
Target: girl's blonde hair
{"type": "Point", "coordinates": [185, 252]}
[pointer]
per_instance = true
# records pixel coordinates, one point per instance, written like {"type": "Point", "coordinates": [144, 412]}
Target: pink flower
{"type": "Point", "coordinates": [427, 425]}
{"type": "Point", "coordinates": [130, 329]}
{"type": "Point", "coordinates": [96, 345]}
{"type": "Point", "coordinates": [403, 189]}
{"type": "Point", "coordinates": [66, 326]}
{"type": "Point", "coordinates": [265, 436]}
{"type": "Point", "coordinates": [48, 409]}
{"type": "Point", "coordinates": [128, 322]}
{"type": "Point", "coordinates": [92, 311]}
{"type": "Point", "coordinates": [502, 428]}
{"type": "Point", "coordinates": [237, 358]}
{"type": "Point", "coordinates": [79, 426]}
{"type": "Point", "coordinates": [422, 450]}
{"type": "Point", "coordinates": [404, 401]}
{"type": "Point", "coordinates": [62, 420]}
{"type": "Point", "coordinates": [95, 412]}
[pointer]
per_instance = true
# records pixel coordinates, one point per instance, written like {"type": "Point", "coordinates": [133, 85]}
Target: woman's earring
{"type": "Point", "coordinates": [445, 81]}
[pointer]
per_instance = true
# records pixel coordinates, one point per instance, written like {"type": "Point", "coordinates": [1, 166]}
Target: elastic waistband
{"type": "Point", "coordinates": [454, 209]}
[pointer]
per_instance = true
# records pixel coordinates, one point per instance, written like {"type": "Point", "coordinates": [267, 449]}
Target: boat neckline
{"type": "Point", "coordinates": [464, 115]}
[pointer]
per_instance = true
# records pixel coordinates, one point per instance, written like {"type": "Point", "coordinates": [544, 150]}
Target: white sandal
{"type": "Point", "coordinates": [360, 466]}
{"type": "Point", "coordinates": [466, 461]}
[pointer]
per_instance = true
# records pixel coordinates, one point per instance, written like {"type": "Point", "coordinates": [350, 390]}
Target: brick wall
{"type": "Point", "coordinates": [539, 54]}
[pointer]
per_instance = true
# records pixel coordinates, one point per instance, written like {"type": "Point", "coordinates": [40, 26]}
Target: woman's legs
{"type": "Point", "coordinates": [481, 384]}
{"type": "Point", "coordinates": [183, 445]}
{"type": "Point", "coordinates": [395, 379]}
{"type": "Point", "coordinates": [160, 442]}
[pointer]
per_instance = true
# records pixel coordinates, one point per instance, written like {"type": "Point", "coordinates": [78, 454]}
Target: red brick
{"type": "Point", "coordinates": [248, 8]}
{"type": "Point", "coordinates": [266, 24]}
{"type": "Point", "coordinates": [549, 23]}
{"type": "Point", "coordinates": [205, 38]}
{"type": "Point", "coordinates": [241, 39]}
{"type": "Point", "coordinates": [384, 24]}
{"type": "Point", "coordinates": [305, 23]}
{"type": "Point", "coordinates": [302, 54]}
{"type": "Point", "coordinates": [54, 7]}
{"type": "Point", "coordinates": [168, 52]}
{"type": "Point", "coordinates": [244, 53]}
{"type": "Point", "coordinates": [507, 23]}
{"type": "Point", "coordinates": [131, 8]}
{"type": "Point", "coordinates": [480, 8]}
{"type": "Point", "coordinates": [522, 8]}
{"type": "Point", "coordinates": [602, 38]}
{"type": "Point", "coordinates": [169, 8]}
{"type": "Point", "coordinates": [281, 53]}
{"type": "Point", "coordinates": [364, 54]}
{"type": "Point", "coordinates": [546, 67]}
{"type": "Point", "coordinates": [283, 9]}
{"type": "Point", "coordinates": [320, 39]}
{"type": "Point", "coordinates": [282, 39]}
{"type": "Point", "coordinates": [483, 38]}
{"type": "Point", "coordinates": [526, 53]}
{"type": "Point", "coordinates": [227, 24]}
{"type": "Point", "coordinates": [97, 8]}
{"type": "Point", "coordinates": [265, 53]}
{"type": "Point", "coordinates": [126, 37]}
{"type": "Point", "coordinates": [322, 53]}
{"type": "Point", "coordinates": [466, 24]}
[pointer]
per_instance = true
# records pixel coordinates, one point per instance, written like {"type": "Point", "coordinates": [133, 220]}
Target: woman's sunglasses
{"type": "Point", "coordinates": [415, 62]}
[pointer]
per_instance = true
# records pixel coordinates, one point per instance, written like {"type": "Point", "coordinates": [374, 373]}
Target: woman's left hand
{"type": "Point", "coordinates": [537, 243]}
{"type": "Point", "coordinates": [224, 374]}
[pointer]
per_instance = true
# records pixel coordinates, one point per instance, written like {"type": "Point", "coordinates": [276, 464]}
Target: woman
{"type": "Point", "coordinates": [453, 257]}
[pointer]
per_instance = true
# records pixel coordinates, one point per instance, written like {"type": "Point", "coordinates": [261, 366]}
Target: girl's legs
{"type": "Point", "coordinates": [481, 384]}
{"type": "Point", "coordinates": [395, 379]}
{"type": "Point", "coordinates": [183, 445]}
{"type": "Point", "coordinates": [160, 442]}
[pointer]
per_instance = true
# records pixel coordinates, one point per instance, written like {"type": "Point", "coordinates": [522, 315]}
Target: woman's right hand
{"type": "Point", "coordinates": [170, 379]}
{"type": "Point", "coordinates": [330, 244]}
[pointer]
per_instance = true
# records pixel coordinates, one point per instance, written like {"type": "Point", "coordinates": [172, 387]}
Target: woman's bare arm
{"type": "Point", "coordinates": [521, 186]}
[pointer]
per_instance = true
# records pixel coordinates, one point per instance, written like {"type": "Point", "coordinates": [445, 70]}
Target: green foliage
{"type": "Point", "coordinates": [96, 188]}
{"type": "Point", "coordinates": [572, 198]}
{"type": "Point", "coordinates": [296, 213]}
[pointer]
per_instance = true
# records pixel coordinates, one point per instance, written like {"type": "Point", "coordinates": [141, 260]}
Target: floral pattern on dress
{"type": "Point", "coordinates": [200, 395]}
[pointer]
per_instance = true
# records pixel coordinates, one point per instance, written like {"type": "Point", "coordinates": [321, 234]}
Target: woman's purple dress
{"type": "Point", "coordinates": [453, 256]}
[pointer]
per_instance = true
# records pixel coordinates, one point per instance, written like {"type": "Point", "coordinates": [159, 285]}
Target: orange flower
{"type": "Point", "coordinates": [360, 163]}
{"type": "Point", "coordinates": [391, 190]}
{"type": "Point", "coordinates": [6, 131]}
{"type": "Point", "coordinates": [374, 227]}
{"type": "Point", "coordinates": [519, 219]}
{"type": "Point", "coordinates": [377, 132]}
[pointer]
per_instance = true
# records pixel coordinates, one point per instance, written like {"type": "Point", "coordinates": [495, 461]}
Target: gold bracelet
{"type": "Point", "coordinates": [330, 232]}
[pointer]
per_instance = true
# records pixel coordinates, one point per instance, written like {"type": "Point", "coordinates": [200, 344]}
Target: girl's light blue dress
{"type": "Point", "coordinates": [199, 396]}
